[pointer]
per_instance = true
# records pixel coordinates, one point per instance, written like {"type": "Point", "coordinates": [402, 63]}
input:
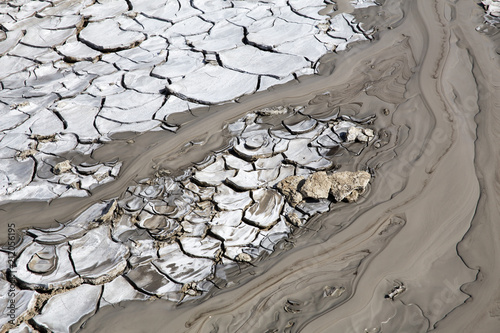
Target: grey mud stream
{"type": "Point", "coordinates": [428, 220]}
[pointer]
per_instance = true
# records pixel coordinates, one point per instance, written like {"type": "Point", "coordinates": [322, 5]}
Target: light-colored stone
{"type": "Point", "coordinates": [97, 258]}
{"type": "Point", "coordinates": [213, 84]}
{"type": "Point", "coordinates": [316, 186]}
{"type": "Point", "coordinates": [344, 183]}
{"type": "Point", "coordinates": [62, 167]}
{"type": "Point", "coordinates": [290, 188]}
{"type": "Point", "coordinates": [249, 59]}
{"type": "Point", "coordinates": [265, 212]}
{"type": "Point", "coordinates": [106, 36]}
{"type": "Point", "coordinates": [74, 304]}
{"type": "Point", "coordinates": [228, 199]}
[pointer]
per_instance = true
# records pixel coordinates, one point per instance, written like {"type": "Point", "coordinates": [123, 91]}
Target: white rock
{"type": "Point", "coordinates": [13, 37]}
{"type": "Point", "coordinates": [105, 9]}
{"type": "Point", "coordinates": [493, 7]}
{"type": "Point", "coordinates": [75, 304]}
{"type": "Point", "coordinates": [15, 175]}
{"type": "Point", "coordinates": [228, 199]}
{"type": "Point", "coordinates": [223, 36]}
{"type": "Point", "coordinates": [107, 36]}
{"type": "Point", "coordinates": [76, 51]}
{"type": "Point", "coordinates": [214, 174]}
{"type": "Point", "coordinates": [236, 253]}
{"type": "Point", "coordinates": [62, 276]}
{"type": "Point", "coordinates": [149, 280]}
{"type": "Point", "coordinates": [15, 302]}
{"type": "Point", "coordinates": [190, 26]}
{"type": "Point", "coordinates": [142, 81]}
{"type": "Point", "coordinates": [174, 11]}
{"type": "Point", "coordinates": [96, 257]}
{"type": "Point", "coordinates": [140, 113]}
{"type": "Point", "coordinates": [10, 64]}
{"type": "Point", "coordinates": [195, 229]}
{"type": "Point", "coordinates": [270, 147]}
{"type": "Point", "coordinates": [267, 82]}
{"type": "Point", "coordinates": [46, 37]}
{"type": "Point", "coordinates": [250, 59]}
{"type": "Point", "coordinates": [181, 268]}
{"type": "Point", "coordinates": [179, 63]}
{"type": "Point", "coordinates": [106, 85]}
{"type": "Point", "coordinates": [273, 236]}
{"type": "Point", "coordinates": [300, 153]}
{"type": "Point", "coordinates": [67, 8]}
{"type": "Point", "coordinates": [280, 32]}
{"type": "Point", "coordinates": [340, 27]}
{"type": "Point", "coordinates": [62, 143]}
{"type": "Point", "coordinates": [120, 290]}
{"type": "Point", "coordinates": [108, 127]}
{"type": "Point", "coordinates": [227, 218]}
{"type": "Point", "coordinates": [241, 18]}
{"type": "Point", "coordinates": [269, 163]}
{"type": "Point", "coordinates": [236, 163]}
{"type": "Point", "coordinates": [223, 14]}
{"type": "Point", "coordinates": [266, 210]}
{"type": "Point", "coordinates": [61, 22]}
{"type": "Point", "coordinates": [301, 127]}
{"type": "Point", "coordinates": [240, 235]}
{"type": "Point", "coordinates": [207, 247]}
{"type": "Point", "coordinates": [260, 12]}
{"type": "Point", "coordinates": [139, 57]}
{"type": "Point", "coordinates": [248, 180]}
{"type": "Point", "coordinates": [208, 6]}
{"type": "Point", "coordinates": [363, 3]}
{"type": "Point", "coordinates": [308, 47]}
{"type": "Point", "coordinates": [285, 171]}
{"type": "Point", "coordinates": [174, 105]}
{"type": "Point", "coordinates": [152, 27]}
{"type": "Point", "coordinates": [213, 84]}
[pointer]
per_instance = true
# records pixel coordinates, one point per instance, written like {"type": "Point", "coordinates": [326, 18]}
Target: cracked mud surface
{"type": "Point", "coordinates": [248, 216]}
{"type": "Point", "coordinates": [172, 238]}
{"type": "Point", "coordinates": [80, 72]}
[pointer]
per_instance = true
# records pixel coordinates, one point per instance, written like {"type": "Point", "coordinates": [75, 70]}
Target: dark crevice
{"type": "Point", "coordinates": [165, 275]}
{"type": "Point", "coordinates": [296, 12]}
{"type": "Point", "coordinates": [58, 115]}
{"type": "Point", "coordinates": [103, 100]}
{"type": "Point", "coordinates": [157, 18]}
{"type": "Point", "coordinates": [38, 327]}
{"type": "Point", "coordinates": [258, 83]}
{"type": "Point", "coordinates": [137, 288]}
{"type": "Point", "coordinates": [245, 41]}
{"type": "Point", "coordinates": [71, 260]}
{"type": "Point", "coordinates": [129, 4]}
{"type": "Point", "coordinates": [186, 98]}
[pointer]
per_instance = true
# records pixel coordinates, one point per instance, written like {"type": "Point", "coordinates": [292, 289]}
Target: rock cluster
{"type": "Point", "coordinates": [80, 72]}
{"type": "Point", "coordinates": [320, 185]}
{"type": "Point", "coordinates": [169, 237]}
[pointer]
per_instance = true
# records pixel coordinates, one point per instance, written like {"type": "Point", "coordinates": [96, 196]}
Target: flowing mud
{"type": "Point", "coordinates": [417, 251]}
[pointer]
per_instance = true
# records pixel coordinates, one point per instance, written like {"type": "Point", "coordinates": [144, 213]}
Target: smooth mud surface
{"type": "Point", "coordinates": [428, 222]}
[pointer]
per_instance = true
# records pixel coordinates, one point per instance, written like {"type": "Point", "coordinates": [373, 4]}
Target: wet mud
{"type": "Point", "coordinates": [425, 229]}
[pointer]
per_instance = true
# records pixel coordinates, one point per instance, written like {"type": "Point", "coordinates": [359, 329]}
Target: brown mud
{"type": "Point", "coordinates": [428, 221]}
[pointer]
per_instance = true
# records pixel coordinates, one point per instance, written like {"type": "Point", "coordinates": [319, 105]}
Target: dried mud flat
{"type": "Point", "coordinates": [415, 252]}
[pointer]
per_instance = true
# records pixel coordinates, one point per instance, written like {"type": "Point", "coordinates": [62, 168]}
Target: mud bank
{"type": "Point", "coordinates": [427, 222]}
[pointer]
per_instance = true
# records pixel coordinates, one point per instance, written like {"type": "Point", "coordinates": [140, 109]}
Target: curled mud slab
{"type": "Point", "coordinates": [416, 252]}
